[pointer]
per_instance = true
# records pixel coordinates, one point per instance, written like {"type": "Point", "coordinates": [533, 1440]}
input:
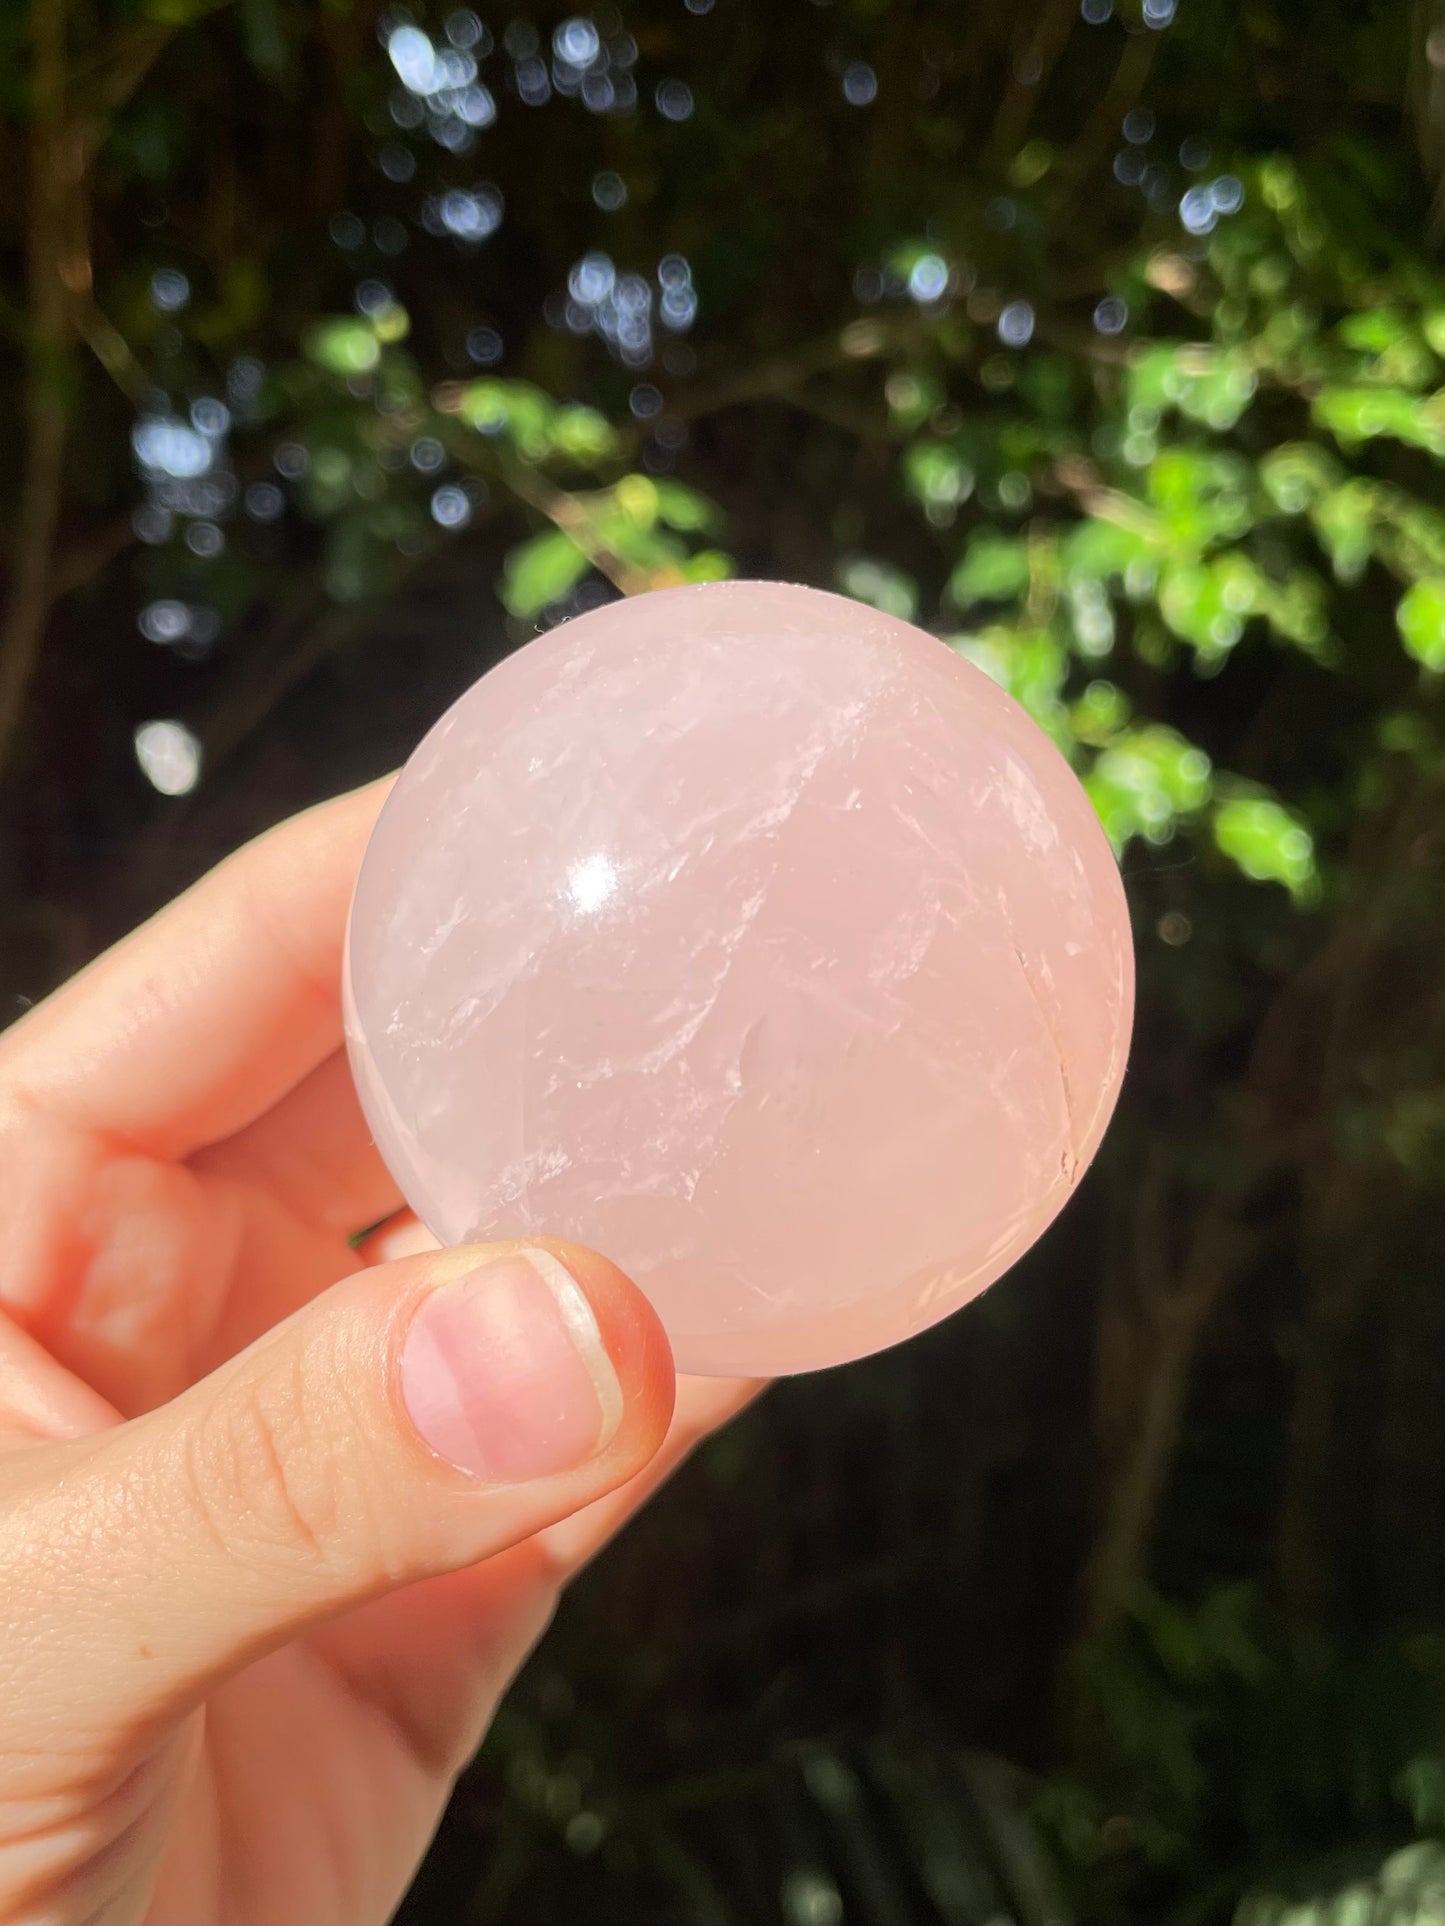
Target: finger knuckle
{"type": "Point", "coordinates": [260, 1476]}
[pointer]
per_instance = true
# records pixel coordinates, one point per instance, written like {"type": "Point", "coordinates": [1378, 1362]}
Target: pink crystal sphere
{"type": "Point", "coordinates": [757, 940]}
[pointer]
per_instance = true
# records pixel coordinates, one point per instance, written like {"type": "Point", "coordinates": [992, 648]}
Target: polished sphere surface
{"type": "Point", "coordinates": [758, 940]}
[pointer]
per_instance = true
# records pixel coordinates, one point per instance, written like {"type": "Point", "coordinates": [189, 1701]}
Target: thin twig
{"type": "Point", "coordinates": [75, 567]}
{"type": "Point", "coordinates": [571, 514]}
{"type": "Point", "coordinates": [780, 378]}
{"type": "Point", "coordinates": [108, 80]}
{"type": "Point", "coordinates": [113, 352]}
{"type": "Point", "coordinates": [1042, 52]}
{"type": "Point", "coordinates": [1101, 130]}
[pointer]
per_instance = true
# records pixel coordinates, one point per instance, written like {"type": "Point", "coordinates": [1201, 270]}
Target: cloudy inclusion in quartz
{"type": "Point", "coordinates": [756, 939]}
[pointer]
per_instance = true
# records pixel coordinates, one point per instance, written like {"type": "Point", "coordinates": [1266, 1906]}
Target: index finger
{"type": "Point", "coordinates": [194, 1025]}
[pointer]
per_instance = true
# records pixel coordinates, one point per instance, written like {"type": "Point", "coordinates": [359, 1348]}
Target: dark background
{"type": "Point", "coordinates": [1106, 340]}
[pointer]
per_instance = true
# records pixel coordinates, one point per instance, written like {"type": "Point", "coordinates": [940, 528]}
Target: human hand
{"type": "Point", "coordinates": [253, 1623]}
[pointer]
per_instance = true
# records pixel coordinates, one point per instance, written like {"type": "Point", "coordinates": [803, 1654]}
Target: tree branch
{"type": "Point", "coordinates": [1101, 130]}
{"type": "Point", "coordinates": [1041, 50]}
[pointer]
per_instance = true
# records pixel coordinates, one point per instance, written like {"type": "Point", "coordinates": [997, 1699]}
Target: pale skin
{"type": "Point", "coordinates": [251, 1625]}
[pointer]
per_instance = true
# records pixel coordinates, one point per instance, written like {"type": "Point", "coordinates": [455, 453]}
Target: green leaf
{"type": "Point", "coordinates": [1204, 606]}
{"type": "Point", "coordinates": [582, 434]}
{"type": "Point", "coordinates": [912, 397]}
{"type": "Point", "coordinates": [1420, 1784]}
{"type": "Point", "coordinates": [1203, 496]}
{"type": "Point", "coordinates": [1296, 475]}
{"type": "Point", "coordinates": [685, 509]}
{"type": "Point", "coordinates": [1297, 609]}
{"type": "Point", "coordinates": [361, 549]}
{"type": "Point", "coordinates": [1344, 521]}
{"type": "Point", "coordinates": [995, 568]}
{"type": "Point", "coordinates": [524, 415]}
{"type": "Point", "coordinates": [1145, 781]}
{"type": "Point", "coordinates": [330, 483]}
{"type": "Point", "coordinates": [628, 520]}
{"type": "Point", "coordinates": [1420, 617]}
{"type": "Point", "coordinates": [1409, 537]}
{"type": "Point", "coordinates": [1416, 1873]}
{"type": "Point", "coordinates": [177, 13]}
{"type": "Point", "coordinates": [1097, 550]}
{"type": "Point", "coordinates": [265, 38]}
{"type": "Point", "coordinates": [1357, 415]}
{"type": "Point", "coordinates": [708, 565]}
{"type": "Point", "coordinates": [1099, 714]}
{"type": "Point", "coordinates": [541, 571]}
{"type": "Point", "coordinates": [1375, 330]}
{"type": "Point", "coordinates": [637, 500]}
{"type": "Point", "coordinates": [938, 477]}
{"type": "Point", "coordinates": [1091, 618]}
{"type": "Point", "coordinates": [880, 586]}
{"type": "Point", "coordinates": [1263, 839]}
{"type": "Point", "coordinates": [343, 347]}
{"type": "Point", "coordinates": [390, 322]}
{"type": "Point", "coordinates": [1207, 384]}
{"type": "Point", "coordinates": [1031, 664]}
{"type": "Point", "coordinates": [1031, 163]}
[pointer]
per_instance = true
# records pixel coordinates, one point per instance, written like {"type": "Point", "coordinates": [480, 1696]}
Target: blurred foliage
{"type": "Point", "coordinates": [1106, 339]}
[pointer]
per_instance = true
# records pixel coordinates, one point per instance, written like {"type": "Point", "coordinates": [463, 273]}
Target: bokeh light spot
{"type": "Point", "coordinates": [169, 757]}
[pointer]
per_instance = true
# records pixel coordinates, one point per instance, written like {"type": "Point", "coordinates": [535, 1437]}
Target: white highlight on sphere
{"type": "Point", "coordinates": [591, 882]}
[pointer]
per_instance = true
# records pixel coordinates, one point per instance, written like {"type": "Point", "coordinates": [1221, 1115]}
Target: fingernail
{"type": "Point", "coordinates": [505, 1373]}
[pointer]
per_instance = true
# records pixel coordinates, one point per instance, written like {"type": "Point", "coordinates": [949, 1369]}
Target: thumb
{"type": "Point", "coordinates": [416, 1418]}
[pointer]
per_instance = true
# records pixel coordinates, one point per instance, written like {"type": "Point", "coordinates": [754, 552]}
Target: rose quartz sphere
{"type": "Point", "coordinates": [757, 940]}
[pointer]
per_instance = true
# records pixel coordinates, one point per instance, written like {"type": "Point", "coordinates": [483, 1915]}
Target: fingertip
{"type": "Point", "coordinates": [457, 1295]}
{"type": "Point", "coordinates": [636, 1345]}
